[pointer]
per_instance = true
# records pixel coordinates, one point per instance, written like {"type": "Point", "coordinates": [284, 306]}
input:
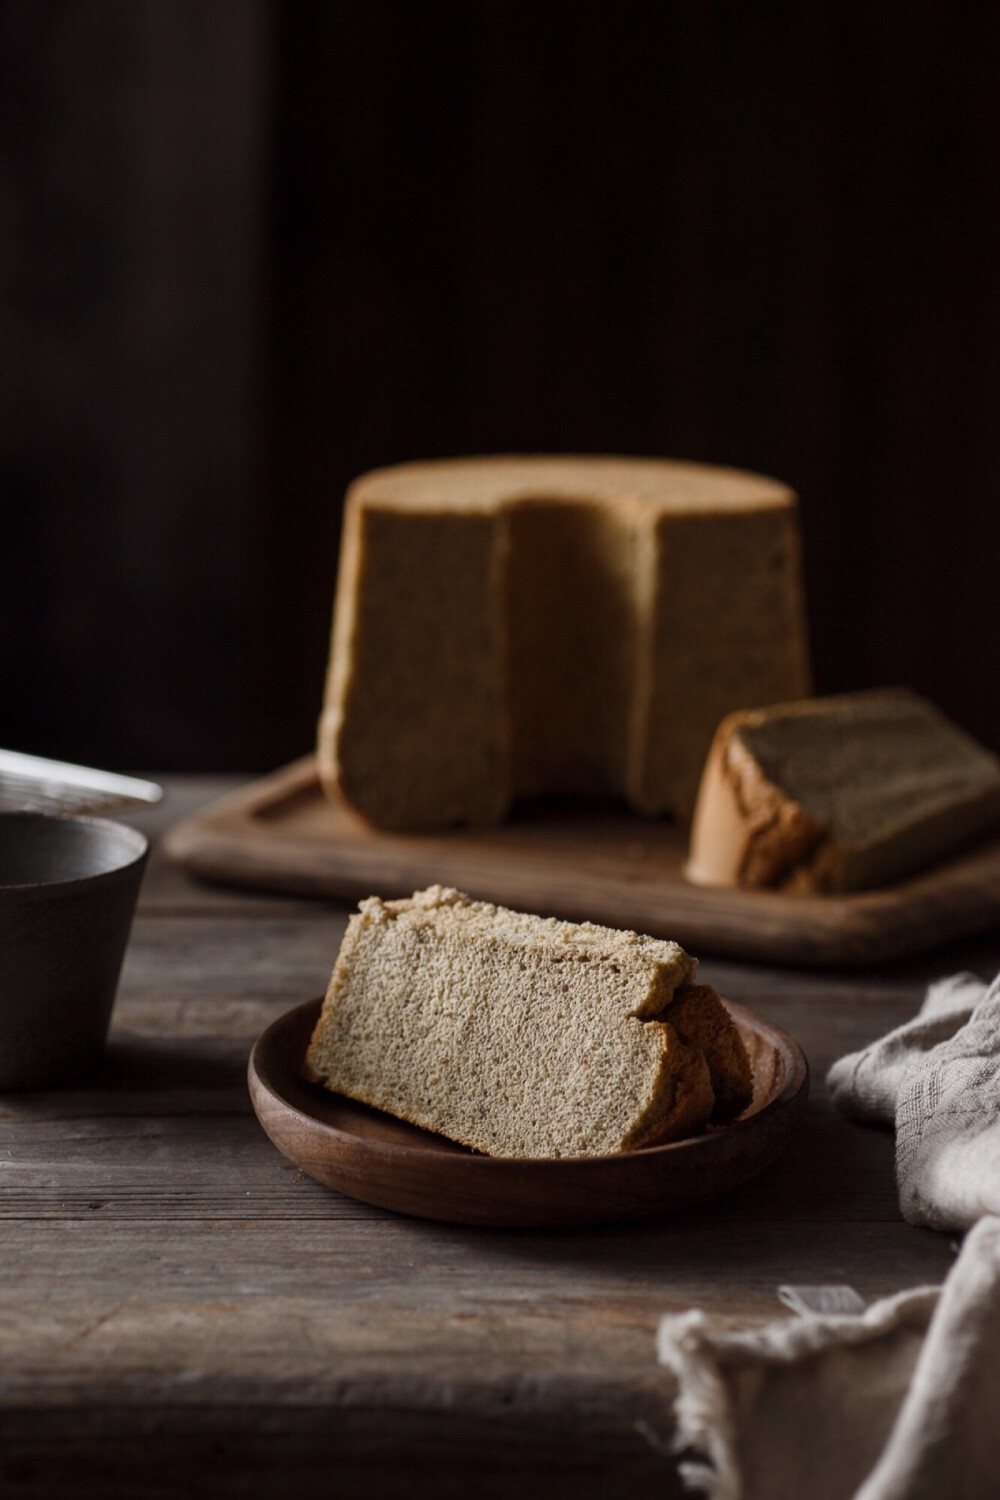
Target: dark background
{"type": "Point", "coordinates": [249, 249]}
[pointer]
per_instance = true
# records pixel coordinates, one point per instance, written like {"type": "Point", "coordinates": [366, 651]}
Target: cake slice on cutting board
{"type": "Point", "coordinates": [838, 794]}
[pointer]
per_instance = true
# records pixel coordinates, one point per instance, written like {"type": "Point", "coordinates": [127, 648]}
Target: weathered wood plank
{"type": "Point", "coordinates": [383, 1454]}
{"type": "Point", "coordinates": [393, 1311]}
{"type": "Point", "coordinates": [211, 959]}
{"type": "Point", "coordinates": [169, 889]}
{"type": "Point", "coordinates": [202, 1155]}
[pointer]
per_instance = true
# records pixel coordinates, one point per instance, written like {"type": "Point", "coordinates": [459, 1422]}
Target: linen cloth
{"type": "Point", "coordinates": [899, 1401]}
{"type": "Point", "coordinates": [938, 1078]}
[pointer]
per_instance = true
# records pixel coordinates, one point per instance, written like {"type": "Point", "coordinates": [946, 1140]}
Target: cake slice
{"type": "Point", "coordinates": [838, 794]}
{"type": "Point", "coordinates": [524, 1036]}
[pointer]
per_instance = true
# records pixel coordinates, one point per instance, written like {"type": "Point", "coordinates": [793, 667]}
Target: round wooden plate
{"type": "Point", "coordinates": [382, 1160]}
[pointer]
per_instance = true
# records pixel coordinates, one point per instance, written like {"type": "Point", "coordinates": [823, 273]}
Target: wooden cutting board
{"type": "Point", "coordinates": [581, 862]}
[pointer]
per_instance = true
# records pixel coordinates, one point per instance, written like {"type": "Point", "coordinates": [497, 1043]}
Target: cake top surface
{"type": "Point", "coordinates": [523, 930]}
{"type": "Point", "coordinates": [864, 764]}
{"type": "Point", "coordinates": [646, 483]}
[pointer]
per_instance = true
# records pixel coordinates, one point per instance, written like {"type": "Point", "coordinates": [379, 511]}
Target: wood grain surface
{"type": "Point", "coordinates": [607, 865]}
{"type": "Point", "coordinates": [182, 1312]}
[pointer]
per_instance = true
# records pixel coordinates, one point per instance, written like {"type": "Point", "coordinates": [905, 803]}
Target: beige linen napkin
{"type": "Point", "coordinates": [899, 1401]}
{"type": "Point", "coordinates": [938, 1078]}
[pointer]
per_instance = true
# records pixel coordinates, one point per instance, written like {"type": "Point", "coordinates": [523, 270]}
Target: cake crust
{"type": "Point", "coordinates": [838, 794]}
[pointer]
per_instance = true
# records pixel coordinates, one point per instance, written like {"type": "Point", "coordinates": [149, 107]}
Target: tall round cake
{"type": "Point", "coordinates": [517, 626]}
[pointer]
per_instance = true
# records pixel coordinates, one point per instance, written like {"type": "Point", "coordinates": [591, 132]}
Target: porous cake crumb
{"type": "Point", "coordinates": [524, 1036]}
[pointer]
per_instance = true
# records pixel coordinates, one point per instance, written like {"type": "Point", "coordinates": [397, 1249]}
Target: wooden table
{"type": "Point", "coordinates": [185, 1314]}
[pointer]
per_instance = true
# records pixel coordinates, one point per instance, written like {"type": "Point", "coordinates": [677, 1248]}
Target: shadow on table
{"type": "Point", "coordinates": [131, 1065]}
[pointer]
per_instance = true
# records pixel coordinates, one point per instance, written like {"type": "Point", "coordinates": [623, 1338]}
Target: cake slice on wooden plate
{"type": "Point", "coordinates": [524, 1036]}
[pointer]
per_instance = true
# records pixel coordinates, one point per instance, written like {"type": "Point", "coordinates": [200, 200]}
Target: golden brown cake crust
{"type": "Point", "coordinates": [838, 794]}
{"type": "Point", "coordinates": [703, 1022]}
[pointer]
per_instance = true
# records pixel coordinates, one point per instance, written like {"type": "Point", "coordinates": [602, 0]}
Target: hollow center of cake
{"type": "Point", "coordinates": [571, 589]}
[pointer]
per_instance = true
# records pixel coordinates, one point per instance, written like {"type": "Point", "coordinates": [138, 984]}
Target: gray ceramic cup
{"type": "Point", "coordinates": [68, 888]}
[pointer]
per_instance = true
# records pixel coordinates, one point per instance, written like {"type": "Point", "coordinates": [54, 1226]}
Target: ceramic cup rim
{"type": "Point", "coordinates": [137, 842]}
